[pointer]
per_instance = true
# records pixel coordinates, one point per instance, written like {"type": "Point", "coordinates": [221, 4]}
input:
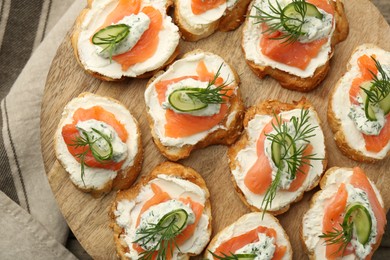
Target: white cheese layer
{"type": "Point", "coordinates": [247, 223]}
{"type": "Point", "coordinates": [341, 104]}
{"type": "Point", "coordinates": [95, 177]}
{"type": "Point", "coordinates": [127, 212]}
{"type": "Point", "coordinates": [247, 157]}
{"type": "Point", "coordinates": [185, 67]}
{"type": "Point", "coordinates": [251, 44]}
{"type": "Point", "coordinates": [94, 18]}
{"type": "Point", "coordinates": [312, 220]}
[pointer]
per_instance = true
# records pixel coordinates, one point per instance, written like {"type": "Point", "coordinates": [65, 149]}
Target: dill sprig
{"type": "Point", "coordinates": [88, 142]}
{"type": "Point", "coordinates": [233, 256]}
{"type": "Point", "coordinates": [109, 41]}
{"type": "Point", "coordinates": [210, 95]}
{"type": "Point", "coordinates": [290, 26]}
{"type": "Point", "coordinates": [163, 234]}
{"type": "Point", "coordinates": [380, 87]}
{"type": "Point", "coordinates": [291, 157]}
{"type": "Point", "coordinates": [339, 236]}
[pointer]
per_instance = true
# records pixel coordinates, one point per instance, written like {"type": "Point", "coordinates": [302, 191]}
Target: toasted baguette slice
{"type": "Point", "coordinates": [181, 145]}
{"type": "Point", "coordinates": [228, 17]}
{"type": "Point", "coordinates": [349, 138]}
{"type": "Point", "coordinates": [245, 225]}
{"type": "Point", "coordinates": [98, 181]}
{"type": "Point", "coordinates": [355, 181]}
{"type": "Point", "coordinates": [178, 182]}
{"type": "Point", "coordinates": [94, 16]}
{"type": "Point", "coordinates": [291, 77]}
{"type": "Point", "coordinates": [244, 154]}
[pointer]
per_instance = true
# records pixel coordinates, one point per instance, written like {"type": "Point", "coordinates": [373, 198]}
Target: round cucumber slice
{"type": "Point", "coordinates": [361, 219]}
{"type": "Point", "coordinates": [179, 217]}
{"type": "Point", "coordinates": [368, 110]}
{"type": "Point", "coordinates": [100, 153]}
{"type": "Point", "coordinates": [181, 101]}
{"type": "Point", "coordinates": [384, 104]}
{"type": "Point", "coordinates": [293, 10]}
{"type": "Point", "coordinates": [111, 34]}
{"type": "Point", "coordinates": [277, 147]}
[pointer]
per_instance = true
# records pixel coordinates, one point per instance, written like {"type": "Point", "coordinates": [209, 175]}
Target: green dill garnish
{"type": "Point", "coordinates": [291, 157]}
{"type": "Point", "coordinates": [88, 142]}
{"type": "Point", "coordinates": [339, 236]}
{"type": "Point", "coordinates": [233, 256]}
{"type": "Point", "coordinates": [380, 87]}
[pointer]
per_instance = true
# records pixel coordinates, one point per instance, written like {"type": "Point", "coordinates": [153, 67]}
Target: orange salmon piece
{"type": "Point", "coordinates": [70, 134]}
{"type": "Point", "coordinates": [124, 8]}
{"type": "Point", "coordinates": [197, 208]}
{"type": "Point", "coordinates": [183, 125]}
{"type": "Point", "coordinates": [294, 54]}
{"type": "Point", "coordinates": [259, 176]}
{"type": "Point", "coordinates": [333, 217]}
{"type": "Point", "coordinates": [235, 243]}
{"type": "Point", "coordinates": [303, 171]}
{"type": "Point", "coordinates": [147, 44]}
{"type": "Point", "coordinates": [202, 6]}
{"type": "Point", "coordinates": [374, 143]}
{"type": "Point", "coordinates": [360, 180]}
{"type": "Point", "coordinates": [100, 114]}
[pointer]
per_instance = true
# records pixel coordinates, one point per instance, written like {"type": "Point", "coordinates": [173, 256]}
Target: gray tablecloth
{"type": "Point", "coordinates": [31, 226]}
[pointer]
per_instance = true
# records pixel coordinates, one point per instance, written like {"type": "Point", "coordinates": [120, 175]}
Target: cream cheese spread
{"type": "Point", "coordinates": [185, 67]}
{"type": "Point", "coordinates": [127, 212]}
{"type": "Point", "coordinates": [312, 220]}
{"type": "Point", "coordinates": [247, 157]}
{"type": "Point", "coordinates": [341, 103]}
{"type": "Point", "coordinates": [247, 223]}
{"type": "Point", "coordinates": [316, 29]}
{"type": "Point", "coordinates": [95, 17]}
{"type": "Point", "coordinates": [96, 177]}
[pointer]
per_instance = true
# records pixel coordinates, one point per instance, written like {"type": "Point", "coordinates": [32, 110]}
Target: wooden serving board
{"type": "Point", "coordinates": [88, 217]}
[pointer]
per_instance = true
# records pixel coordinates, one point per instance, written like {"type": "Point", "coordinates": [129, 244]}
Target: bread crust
{"type": "Point", "coordinates": [313, 200]}
{"type": "Point", "coordinates": [167, 168]}
{"type": "Point", "coordinates": [268, 107]}
{"type": "Point", "coordinates": [77, 28]}
{"type": "Point", "coordinates": [124, 178]}
{"type": "Point", "coordinates": [220, 136]}
{"type": "Point", "coordinates": [242, 219]}
{"type": "Point", "coordinates": [231, 20]}
{"type": "Point", "coordinates": [335, 123]}
{"type": "Point", "coordinates": [293, 82]}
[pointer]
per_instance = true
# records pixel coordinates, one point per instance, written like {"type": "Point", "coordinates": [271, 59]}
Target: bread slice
{"type": "Point", "coordinates": [312, 220]}
{"type": "Point", "coordinates": [194, 27]}
{"type": "Point", "coordinates": [291, 77]}
{"type": "Point", "coordinates": [245, 224]}
{"type": "Point", "coordinates": [93, 16]}
{"type": "Point", "coordinates": [226, 132]}
{"type": "Point", "coordinates": [128, 203]}
{"type": "Point", "coordinates": [348, 138]}
{"type": "Point", "coordinates": [98, 181]}
{"type": "Point", "coordinates": [243, 154]}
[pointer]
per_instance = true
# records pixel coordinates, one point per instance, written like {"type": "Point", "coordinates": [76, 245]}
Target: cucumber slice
{"type": "Point", "coordinates": [384, 104]}
{"type": "Point", "coordinates": [277, 147]}
{"type": "Point", "coordinates": [179, 217]}
{"type": "Point", "coordinates": [368, 110]}
{"type": "Point", "coordinates": [111, 34]}
{"type": "Point", "coordinates": [361, 219]}
{"type": "Point", "coordinates": [181, 101]}
{"type": "Point", "coordinates": [291, 11]}
{"type": "Point", "coordinates": [245, 256]}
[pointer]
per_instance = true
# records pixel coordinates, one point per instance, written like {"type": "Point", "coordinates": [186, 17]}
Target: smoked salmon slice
{"type": "Point", "coordinates": [202, 6]}
{"type": "Point", "coordinates": [197, 208]}
{"type": "Point", "coordinates": [183, 125]}
{"type": "Point", "coordinates": [374, 143]}
{"type": "Point", "coordinates": [295, 54]}
{"type": "Point", "coordinates": [70, 133]}
{"type": "Point", "coordinates": [235, 243]}
{"type": "Point", "coordinates": [124, 8]}
{"type": "Point", "coordinates": [147, 44]}
{"type": "Point", "coordinates": [333, 217]}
